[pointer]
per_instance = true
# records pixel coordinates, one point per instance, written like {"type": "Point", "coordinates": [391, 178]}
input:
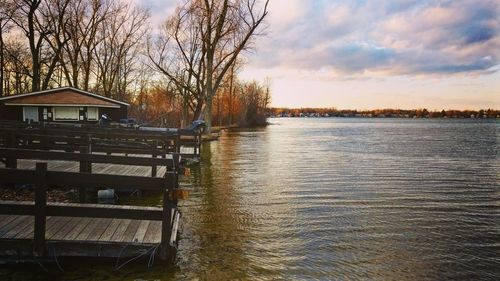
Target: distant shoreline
{"type": "Point", "coordinates": [383, 113]}
{"type": "Point", "coordinates": [382, 117]}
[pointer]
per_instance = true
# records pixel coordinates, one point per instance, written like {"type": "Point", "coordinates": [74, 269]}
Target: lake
{"type": "Point", "coordinates": [340, 198]}
{"type": "Point", "coordinates": [347, 199]}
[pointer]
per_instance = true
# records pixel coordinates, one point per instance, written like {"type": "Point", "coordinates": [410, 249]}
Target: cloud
{"type": "Point", "coordinates": [286, 12]}
{"type": "Point", "coordinates": [396, 37]}
{"type": "Point", "coordinates": [160, 9]}
{"type": "Point", "coordinates": [478, 33]}
{"type": "Point", "coordinates": [400, 37]}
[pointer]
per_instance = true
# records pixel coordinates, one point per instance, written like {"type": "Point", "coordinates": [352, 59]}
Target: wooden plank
{"type": "Point", "coordinates": [5, 229]}
{"type": "Point", "coordinates": [120, 212]}
{"type": "Point", "coordinates": [141, 231]}
{"type": "Point", "coordinates": [153, 234]}
{"type": "Point", "coordinates": [9, 176]}
{"type": "Point", "coordinates": [26, 230]}
{"type": "Point", "coordinates": [21, 223]}
{"type": "Point", "coordinates": [110, 230]}
{"type": "Point", "coordinates": [13, 176]}
{"type": "Point", "coordinates": [118, 235]}
{"type": "Point", "coordinates": [85, 233]}
{"type": "Point", "coordinates": [29, 232]}
{"type": "Point", "coordinates": [78, 229]}
{"type": "Point", "coordinates": [57, 226]}
{"type": "Point", "coordinates": [98, 230]}
{"type": "Point", "coordinates": [51, 224]}
{"type": "Point", "coordinates": [11, 225]}
{"type": "Point", "coordinates": [101, 180]}
{"type": "Point", "coordinates": [70, 225]}
{"type": "Point", "coordinates": [16, 208]}
{"type": "Point", "coordinates": [6, 219]}
{"type": "Point", "coordinates": [128, 235]}
{"type": "Point", "coordinates": [82, 157]}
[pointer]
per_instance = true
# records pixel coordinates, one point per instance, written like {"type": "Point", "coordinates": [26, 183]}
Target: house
{"type": "Point", "coordinates": [61, 105]}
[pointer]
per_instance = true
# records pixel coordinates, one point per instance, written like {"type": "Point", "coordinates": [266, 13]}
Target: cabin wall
{"type": "Point", "coordinates": [46, 114]}
{"type": "Point", "coordinates": [11, 113]}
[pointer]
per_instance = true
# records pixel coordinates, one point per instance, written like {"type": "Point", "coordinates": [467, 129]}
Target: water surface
{"type": "Point", "coordinates": [347, 199]}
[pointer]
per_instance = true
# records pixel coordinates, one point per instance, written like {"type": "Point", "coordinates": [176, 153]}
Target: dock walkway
{"type": "Point", "coordinates": [42, 230]}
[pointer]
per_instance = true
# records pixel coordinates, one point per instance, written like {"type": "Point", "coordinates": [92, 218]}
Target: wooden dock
{"type": "Point", "coordinates": [79, 236]}
{"type": "Point", "coordinates": [41, 230]}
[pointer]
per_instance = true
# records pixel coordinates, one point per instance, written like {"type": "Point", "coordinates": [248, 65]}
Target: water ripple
{"type": "Point", "coordinates": [346, 199]}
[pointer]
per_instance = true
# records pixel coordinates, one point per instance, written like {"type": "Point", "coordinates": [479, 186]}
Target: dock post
{"type": "Point", "coordinates": [85, 167]}
{"type": "Point", "coordinates": [154, 155]}
{"type": "Point", "coordinates": [178, 143]}
{"type": "Point", "coordinates": [89, 144]}
{"type": "Point", "coordinates": [167, 215]}
{"type": "Point", "coordinates": [40, 209]}
{"type": "Point", "coordinates": [198, 144]}
{"type": "Point", "coordinates": [176, 157]}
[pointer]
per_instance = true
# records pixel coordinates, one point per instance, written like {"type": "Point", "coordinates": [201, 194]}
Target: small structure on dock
{"type": "Point", "coordinates": [67, 104]}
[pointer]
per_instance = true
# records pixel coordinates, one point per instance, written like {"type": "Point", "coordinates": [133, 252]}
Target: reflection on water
{"type": "Point", "coordinates": [346, 198]}
{"type": "Point", "coordinates": [384, 199]}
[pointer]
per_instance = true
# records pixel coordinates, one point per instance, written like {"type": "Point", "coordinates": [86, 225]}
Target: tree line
{"type": "Point", "coordinates": [388, 112]}
{"type": "Point", "coordinates": [186, 69]}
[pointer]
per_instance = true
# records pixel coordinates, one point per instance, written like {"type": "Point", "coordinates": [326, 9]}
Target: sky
{"type": "Point", "coordinates": [363, 54]}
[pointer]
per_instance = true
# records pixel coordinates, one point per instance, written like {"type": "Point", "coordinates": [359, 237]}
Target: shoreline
{"type": "Point", "coordinates": [389, 117]}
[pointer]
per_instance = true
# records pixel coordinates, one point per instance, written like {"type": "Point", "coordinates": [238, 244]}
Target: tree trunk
{"type": "Point", "coordinates": [208, 114]}
{"type": "Point", "coordinates": [230, 109]}
{"type": "Point", "coordinates": [74, 67]}
{"type": "Point", "coordinates": [209, 91]}
{"type": "Point", "coordinates": [219, 117]}
{"type": "Point", "coordinates": [35, 51]}
{"type": "Point", "coordinates": [198, 111]}
{"type": "Point", "coordinates": [184, 116]}
{"type": "Point", "coordinates": [86, 74]}
{"type": "Point", "coordinates": [2, 63]}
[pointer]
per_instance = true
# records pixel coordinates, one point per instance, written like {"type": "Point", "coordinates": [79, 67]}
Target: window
{"type": "Point", "coordinates": [92, 114]}
{"type": "Point", "coordinates": [30, 113]}
{"type": "Point", "coordinates": [66, 113]}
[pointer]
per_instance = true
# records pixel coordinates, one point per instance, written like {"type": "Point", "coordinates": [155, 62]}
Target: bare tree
{"type": "Point", "coordinates": [55, 15]}
{"type": "Point", "coordinates": [217, 31]}
{"type": "Point", "coordinates": [120, 35]}
{"type": "Point", "coordinates": [85, 19]}
{"type": "Point", "coordinates": [5, 15]}
{"type": "Point", "coordinates": [177, 53]}
{"type": "Point", "coordinates": [42, 22]}
{"type": "Point", "coordinates": [256, 99]}
{"type": "Point", "coordinates": [17, 66]}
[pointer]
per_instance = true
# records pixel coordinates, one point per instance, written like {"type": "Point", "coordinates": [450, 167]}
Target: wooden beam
{"type": "Point", "coordinates": [103, 180]}
{"type": "Point", "coordinates": [72, 180]}
{"type": "Point", "coordinates": [83, 210]}
{"type": "Point", "coordinates": [127, 212]}
{"type": "Point", "coordinates": [40, 209]}
{"type": "Point", "coordinates": [13, 176]}
{"type": "Point", "coordinates": [168, 205]}
{"type": "Point", "coordinates": [85, 167]}
{"type": "Point", "coordinates": [17, 208]}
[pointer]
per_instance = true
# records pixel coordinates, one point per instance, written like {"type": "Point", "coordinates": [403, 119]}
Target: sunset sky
{"type": "Point", "coordinates": [376, 54]}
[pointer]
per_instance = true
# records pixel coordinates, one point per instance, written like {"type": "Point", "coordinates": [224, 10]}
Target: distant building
{"type": "Point", "coordinates": [61, 105]}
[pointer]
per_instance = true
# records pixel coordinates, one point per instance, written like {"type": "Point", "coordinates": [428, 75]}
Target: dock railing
{"type": "Point", "coordinates": [41, 178]}
{"type": "Point", "coordinates": [111, 139]}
